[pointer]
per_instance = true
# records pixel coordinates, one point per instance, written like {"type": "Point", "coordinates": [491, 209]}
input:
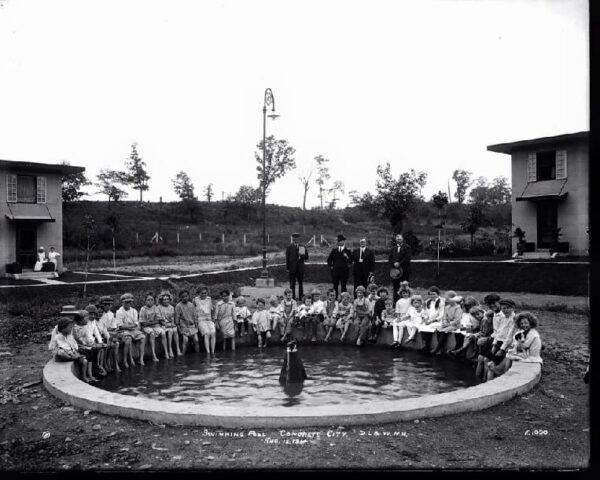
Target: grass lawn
{"type": "Point", "coordinates": [546, 428]}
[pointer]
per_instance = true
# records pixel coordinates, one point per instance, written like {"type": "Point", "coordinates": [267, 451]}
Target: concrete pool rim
{"type": "Point", "coordinates": [60, 380]}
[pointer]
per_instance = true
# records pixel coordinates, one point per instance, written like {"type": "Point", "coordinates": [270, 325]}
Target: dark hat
{"type": "Point", "coordinates": [508, 302]}
{"type": "Point", "coordinates": [340, 238]}
{"type": "Point", "coordinates": [295, 235]}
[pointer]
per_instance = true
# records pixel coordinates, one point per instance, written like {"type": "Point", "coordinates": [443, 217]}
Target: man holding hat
{"type": "Point", "coordinates": [339, 262]}
{"type": "Point", "coordinates": [295, 255]}
{"type": "Point", "coordinates": [399, 260]}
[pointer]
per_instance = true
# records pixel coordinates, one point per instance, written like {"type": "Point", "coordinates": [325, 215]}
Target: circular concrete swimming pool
{"type": "Point", "coordinates": [337, 375]}
{"type": "Point", "coordinates": [60, 380]}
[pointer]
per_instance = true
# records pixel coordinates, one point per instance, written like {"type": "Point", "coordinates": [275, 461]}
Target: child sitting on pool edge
{"type": "Point", "coordinates": [261, 319]}
{"type": "Point", "coordinates": [186, 319]}
{"type": "Point", "coordinates": [64, 348]}
{"type": "Point", "coordinates": [225, 318]}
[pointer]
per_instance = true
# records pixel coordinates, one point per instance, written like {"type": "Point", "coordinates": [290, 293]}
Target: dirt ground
{"type": "Point", "coordinates": [546, 428]}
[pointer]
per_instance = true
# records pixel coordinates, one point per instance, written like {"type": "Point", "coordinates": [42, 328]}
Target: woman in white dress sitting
{"type": "Point", "coordinates": [41, 259]}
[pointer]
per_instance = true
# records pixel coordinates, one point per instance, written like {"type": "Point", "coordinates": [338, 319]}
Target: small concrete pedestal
{"type": "Point", "coordinates": [265, 282]}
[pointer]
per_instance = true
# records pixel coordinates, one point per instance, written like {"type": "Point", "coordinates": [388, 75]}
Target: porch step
{"type": "Point", "coordinates": [539, 253]}
{"type": "Point", "coordinates": [30, 275]}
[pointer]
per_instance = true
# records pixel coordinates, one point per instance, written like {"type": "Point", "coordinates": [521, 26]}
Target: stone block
{"type": "Point", "coordinates": [265, 282]}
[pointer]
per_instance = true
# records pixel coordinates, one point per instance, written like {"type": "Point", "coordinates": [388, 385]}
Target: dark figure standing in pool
{"type": "Point", "coordinates": [295, 255]}
{"type": "Point", "coordinates": [292, 374]}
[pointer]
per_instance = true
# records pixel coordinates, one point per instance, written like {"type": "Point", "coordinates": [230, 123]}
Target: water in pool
{"type": "Point", "coordinates": [250, 377]}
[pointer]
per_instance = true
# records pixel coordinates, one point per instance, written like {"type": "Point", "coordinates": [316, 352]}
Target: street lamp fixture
{"type": "Point", "coordinates": [265, 280]}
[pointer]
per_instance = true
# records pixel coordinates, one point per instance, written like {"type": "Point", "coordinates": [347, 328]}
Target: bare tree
{"type": "Point", "coordinates": [208, 192]}
{"type": "Point", "coordinates": [322, 176]}
{"type": "Point", "coordinates": [305, 180]}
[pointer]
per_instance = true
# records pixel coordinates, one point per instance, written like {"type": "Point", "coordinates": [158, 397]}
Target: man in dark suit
{"type": "Point", "coordinates": [400, 258]}
{"type": "Point", "coordinates": [339, 261]}
{"type": "Point", "coordinates": [363, 259]}
{"type": "Point", "coordinates": [295, 255]}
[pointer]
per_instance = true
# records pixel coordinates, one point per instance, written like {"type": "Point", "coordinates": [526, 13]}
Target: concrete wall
{"type": "Point", "coordinates": [573, 210]}
{"type": "Point", "coordinates": [48, 233]}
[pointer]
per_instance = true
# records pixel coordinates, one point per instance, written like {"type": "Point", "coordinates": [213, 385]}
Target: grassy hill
{"type": "Point", "coordinates": [201, 231]}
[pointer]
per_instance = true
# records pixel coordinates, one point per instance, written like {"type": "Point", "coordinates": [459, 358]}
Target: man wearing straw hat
{"type": "Point", "coordinates": [399, 264]}
{"type": "Point", "coordinates": [295, 255]}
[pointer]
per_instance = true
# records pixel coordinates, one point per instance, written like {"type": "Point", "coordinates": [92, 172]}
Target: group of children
{"type": "Point", "coordinates": [491, 335]}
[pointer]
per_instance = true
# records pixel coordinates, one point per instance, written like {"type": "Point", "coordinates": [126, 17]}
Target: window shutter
{"type": "Point", "coordinates": [561, 164]}
{"type": "Point", "coordinates": [11, 188]}
{"type": "Point", "coordinates": [531, 168]}
{"type": "Point", "coordinates": [41, 189]}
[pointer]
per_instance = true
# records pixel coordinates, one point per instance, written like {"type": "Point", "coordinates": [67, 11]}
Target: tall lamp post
{"type": "Point", "coordinates": [265, 280]}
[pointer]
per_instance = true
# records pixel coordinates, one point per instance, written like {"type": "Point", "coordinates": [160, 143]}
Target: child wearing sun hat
{"type": "Point", "coordinates": [129, 329]}
{"type": "Point", "coordinates": [450, 319]}
{"type": "Point", "coordinates": [65, 349]}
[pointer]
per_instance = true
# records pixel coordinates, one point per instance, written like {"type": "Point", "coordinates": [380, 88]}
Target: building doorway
{"type": "Point", "coordinates": [547, 223]}
{"type": "Point", "coordinates": [26, 244]}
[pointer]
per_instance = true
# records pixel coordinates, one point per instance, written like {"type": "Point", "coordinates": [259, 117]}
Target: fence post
{"type": "Point", "coordinates": [223, 238]}
{"type": "Point", "coordinates": [177, 238]}
{"type": "Point", "coordinates": [268, 238]}
{"type": "Point", "coordinates": [244, 239]}
{"type": "Point", "coordinates": [200, 236]}
{"type": "Point", "coordinates": [137, 238]}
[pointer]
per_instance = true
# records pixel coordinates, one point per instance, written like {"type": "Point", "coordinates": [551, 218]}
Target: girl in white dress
{"type": "Point", "coordinates": [414, 318]}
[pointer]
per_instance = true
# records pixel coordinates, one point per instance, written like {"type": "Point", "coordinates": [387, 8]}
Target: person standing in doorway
{"type": "Point", "coordinates": [363, 259]}
{"type": "Point", "coordinates": [400, 256]}
{"type": "Point", "coordinates": [295, 256]}
{"type": "Point", "coordinates": [339, 261]}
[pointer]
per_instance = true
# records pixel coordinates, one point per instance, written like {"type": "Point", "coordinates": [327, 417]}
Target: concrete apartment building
{"type": "Point", "coordinates": [30, 211]}
{"type": "Point", "coordinates": [550, 190]}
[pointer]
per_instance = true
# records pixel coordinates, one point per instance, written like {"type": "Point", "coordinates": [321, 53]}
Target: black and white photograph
{"type": "Point", "coordinates": [279, 236]}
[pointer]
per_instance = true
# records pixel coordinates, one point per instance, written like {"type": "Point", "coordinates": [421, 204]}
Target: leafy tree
{"type": "Point", "coordinates": [279, 159]}
{"type": "Point", "coordinates": [500, 191]}
{"type": "Point", "coordinates": [476, 218]}
{"type": "Point", "coordinates": [71, 185]}
{"type": "Point", "coordinates": [305, 180]}
{"type": "Point", "coordinates": [137, 176]}
{"type": "Point", "coordinates": [322, 175]}
{"type": "Point", "coordinates": [366, 202]}
{"type": "Point", "coordinates": [397, 196]}
{"type": "Point", "coordinates": [463, 182]}
{"type": "Point", "coordinates": [440, 200]}
{"type": "Point", "coordinates": [248, 197]}
{"type": "Point", "coordinates": [208, 192]}
{"type": "Point", "coordinates": [496, 193]}
{"type": "Point", "coordinates": [337, 187]}
{"type": "Point", "coordinates": [108, 181]}
{"type": "Point", "coordinates": [184, 189]}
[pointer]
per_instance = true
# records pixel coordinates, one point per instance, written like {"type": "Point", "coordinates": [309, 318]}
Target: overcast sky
{"type": "Point", "coordinates": [421, 84]}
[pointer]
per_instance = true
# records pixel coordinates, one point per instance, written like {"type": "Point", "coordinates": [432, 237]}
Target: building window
{"type": "Point", "coordinates": [561, 164]}
{"type": "Point", "coordinates": [546, 165]}
{"type": "Point", "coordinates": [11, 188]}
{"type": "Point", "coordinates": [26, 189]}
{"type": "Point", "coordinates": [41, 190]}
